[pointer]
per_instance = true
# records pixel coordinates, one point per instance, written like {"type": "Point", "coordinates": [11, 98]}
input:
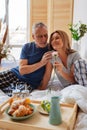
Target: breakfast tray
{"type": "Point", "coordinates": [41, 121]}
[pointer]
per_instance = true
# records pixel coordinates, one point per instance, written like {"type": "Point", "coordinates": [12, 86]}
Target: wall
{"type": "Point", "coordinates": [60, 12]}
{"type": "Point", "coordinates": [80, 14]}
{"type": "Point", "coordinates": [56, 14]}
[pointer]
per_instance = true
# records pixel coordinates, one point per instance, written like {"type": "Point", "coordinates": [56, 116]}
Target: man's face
{"type": "Point", "coordinates": [40, 37]}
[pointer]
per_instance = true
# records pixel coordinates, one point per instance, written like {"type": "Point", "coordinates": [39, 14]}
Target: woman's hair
{"type": "Point", "coordinates": [65, 40]}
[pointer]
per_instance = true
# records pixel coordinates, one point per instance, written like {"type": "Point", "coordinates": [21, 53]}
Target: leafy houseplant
{"type": "Point", "coordinates": [78, 30]}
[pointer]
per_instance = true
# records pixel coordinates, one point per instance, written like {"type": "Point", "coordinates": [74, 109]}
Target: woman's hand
{"type": "Point", "coordinates": [58, 66]}
{"type": "Point", "coordinates": [68, 76]}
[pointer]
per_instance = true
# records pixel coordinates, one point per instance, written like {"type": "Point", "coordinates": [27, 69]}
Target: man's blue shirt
{"type": "Point", "coordinates": [33, 55]}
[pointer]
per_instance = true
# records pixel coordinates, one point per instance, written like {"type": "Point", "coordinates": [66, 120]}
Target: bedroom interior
{"type": "Point", "coordinates": [56, 14]}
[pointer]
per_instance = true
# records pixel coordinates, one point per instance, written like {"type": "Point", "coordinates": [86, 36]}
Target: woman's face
{"type": "Point", "coordinates": [56, 42]}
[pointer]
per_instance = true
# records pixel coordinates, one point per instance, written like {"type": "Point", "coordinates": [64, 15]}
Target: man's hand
{"type": "Point", "coordinates": [46, 57]}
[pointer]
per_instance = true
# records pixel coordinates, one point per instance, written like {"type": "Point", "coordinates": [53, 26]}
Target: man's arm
{"type": "Point", "coordinates": [24, 68]}
{"type": "Point", "coordinates": [46, 77]}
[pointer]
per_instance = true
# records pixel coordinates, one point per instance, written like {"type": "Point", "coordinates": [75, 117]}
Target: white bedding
{"type": "Point", "coordinates": [78, 94]}
{"type": "Point", "coordinates": [71, 94]}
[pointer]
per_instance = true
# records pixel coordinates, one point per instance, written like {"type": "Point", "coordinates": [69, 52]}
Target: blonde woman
{"type": "Point", "coordinates": [63, 64]}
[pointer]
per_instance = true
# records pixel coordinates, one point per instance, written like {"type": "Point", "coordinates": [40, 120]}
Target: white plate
{"type": "Point", "coordinates": [41, 110]}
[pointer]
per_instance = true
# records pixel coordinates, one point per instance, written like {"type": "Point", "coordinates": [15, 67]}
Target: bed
{"type": "Point", "coordinates": [71, 94]}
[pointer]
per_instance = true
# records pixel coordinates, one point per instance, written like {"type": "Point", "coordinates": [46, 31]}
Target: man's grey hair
{"type": "Point", "coordinates": [38, 25]}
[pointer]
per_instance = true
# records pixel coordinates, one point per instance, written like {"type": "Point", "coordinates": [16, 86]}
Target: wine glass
{"type": "Point", "coordinates": [16, 91]}
{"type": "Point", "coordinates": [25, 92]}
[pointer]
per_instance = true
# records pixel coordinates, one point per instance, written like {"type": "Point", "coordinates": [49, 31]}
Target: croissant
{"type": "Point", "coordinates": [22, 111]}
{"type": "Point", "coordinates": [29, 110]}
{"type": "Point", "coordinates": [20, 108]}
{"type": "Point", "coordinates": [20, 101]}
{"type": "Point", "coordinates": [10, 111]}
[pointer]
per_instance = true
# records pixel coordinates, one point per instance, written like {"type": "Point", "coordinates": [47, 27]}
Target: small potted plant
{"type": "Point", "coordinates": [77, 31]}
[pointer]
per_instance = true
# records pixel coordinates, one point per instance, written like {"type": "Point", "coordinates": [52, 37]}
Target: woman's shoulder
{"type": "Point", "coordinates": [74, 56]}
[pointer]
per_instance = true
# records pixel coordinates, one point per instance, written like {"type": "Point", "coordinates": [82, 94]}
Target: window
{"type": "Point", "coordinates": [2, 9]}
{"type": "Point", "coordinates": [2, 19]}
{"type": "Point", "coordinates": [17, 25]}
{"type": "Point", "coordinates": [17, 21]}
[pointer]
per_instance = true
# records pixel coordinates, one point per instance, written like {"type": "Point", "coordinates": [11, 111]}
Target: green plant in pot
{"type": "Point", "coordinates": [78, 30]}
